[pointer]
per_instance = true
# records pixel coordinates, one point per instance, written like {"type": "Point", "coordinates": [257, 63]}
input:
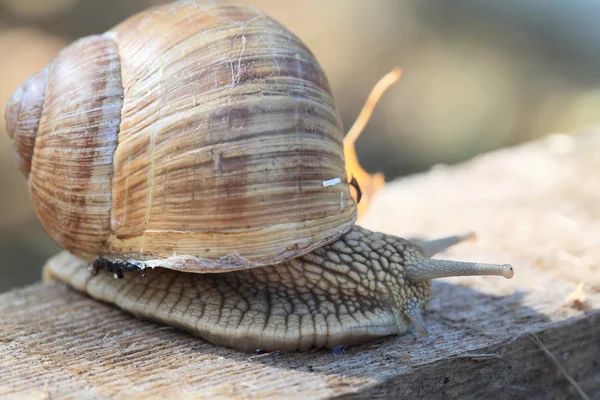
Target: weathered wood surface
{"type": "Point", "coordinates": [536, 206]}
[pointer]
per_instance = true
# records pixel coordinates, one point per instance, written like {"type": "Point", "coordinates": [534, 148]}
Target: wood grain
{"type": "Point", "coordinates": [535, 206]}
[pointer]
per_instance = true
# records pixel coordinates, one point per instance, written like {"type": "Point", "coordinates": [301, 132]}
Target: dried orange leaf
{"type": "Point", "coordinates": [369, 184]}
{"type": "Point", "coordinates": [578, 299]}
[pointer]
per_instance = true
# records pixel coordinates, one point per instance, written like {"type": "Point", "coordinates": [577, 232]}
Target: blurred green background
{"type": "Point", "coordinates": [478, 75]}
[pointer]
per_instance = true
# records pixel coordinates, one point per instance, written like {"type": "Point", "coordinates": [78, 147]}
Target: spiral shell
{"type": "Point", "coordinates": [195, 136]}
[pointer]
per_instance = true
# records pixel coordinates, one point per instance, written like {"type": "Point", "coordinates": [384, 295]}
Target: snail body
{"type": "Point", "coordinates": [202, 138]}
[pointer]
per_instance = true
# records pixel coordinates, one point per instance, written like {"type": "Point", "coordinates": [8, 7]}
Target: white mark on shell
{"type": "Point", "coordinates": [331, 182]}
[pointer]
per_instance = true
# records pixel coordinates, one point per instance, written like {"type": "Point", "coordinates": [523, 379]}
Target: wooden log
{"type": "Point", "coordinates": [536, 336]}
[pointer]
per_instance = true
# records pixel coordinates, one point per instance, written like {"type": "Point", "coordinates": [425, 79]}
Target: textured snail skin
{"type": "Point", "coordinates": [363, 286]}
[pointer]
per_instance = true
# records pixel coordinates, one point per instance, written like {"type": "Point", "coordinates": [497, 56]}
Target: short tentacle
{"type": "Point", "coordinates": [414, 314]}
{"type": "Point", "coordinates": [426, 268]}
{"type": "Point", "coordinates": [433, 247]}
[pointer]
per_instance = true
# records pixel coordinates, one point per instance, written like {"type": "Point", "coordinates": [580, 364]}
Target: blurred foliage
{"type": "Point", "coordinates": [478, 75]}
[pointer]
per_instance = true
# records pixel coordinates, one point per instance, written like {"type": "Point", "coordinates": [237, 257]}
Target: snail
{"type": "Point", "coordinates": [198, 142]}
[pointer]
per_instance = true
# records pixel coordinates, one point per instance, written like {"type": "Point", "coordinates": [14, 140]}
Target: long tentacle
{"type": "Point", "coordinates": [427, 268]}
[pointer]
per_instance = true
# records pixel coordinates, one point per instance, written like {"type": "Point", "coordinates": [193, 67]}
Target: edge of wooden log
{"type": "Point", "coordinates": [534, 206]}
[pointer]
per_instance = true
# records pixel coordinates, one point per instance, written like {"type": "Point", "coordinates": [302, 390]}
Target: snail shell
{"type": "Point", "coordinates": [195, 136]}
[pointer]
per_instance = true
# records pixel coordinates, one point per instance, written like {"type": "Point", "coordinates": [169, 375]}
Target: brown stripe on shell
{"type": "Point", "coordinates": [71, 182]}
{"type": "Point", "coordinates": [228, 132]}
{"type": "Point", "coordinates": [23, 114]}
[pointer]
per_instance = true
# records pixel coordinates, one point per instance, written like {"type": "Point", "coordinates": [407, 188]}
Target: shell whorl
{"type": "Point", "coordinates": [71, 179]}
{"type": "Point", "coordinates": [23, 113]}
